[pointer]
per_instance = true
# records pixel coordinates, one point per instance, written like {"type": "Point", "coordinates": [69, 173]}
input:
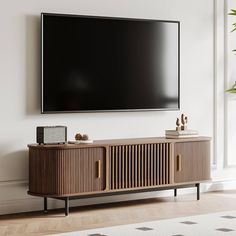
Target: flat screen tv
{"type": "Point", "coordinates": [109, 64]}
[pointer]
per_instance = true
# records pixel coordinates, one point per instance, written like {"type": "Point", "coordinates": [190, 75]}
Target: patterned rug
{"type": "Point", "coordinates": [221, 223]}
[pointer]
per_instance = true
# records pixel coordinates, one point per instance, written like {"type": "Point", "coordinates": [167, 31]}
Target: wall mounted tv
{"type": "Point", "coordinates": [109, 64]}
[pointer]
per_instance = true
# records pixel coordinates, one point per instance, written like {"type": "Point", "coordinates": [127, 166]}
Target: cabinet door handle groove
{"type": "Point", "coordinates": [99, 169]}
{"type": "Point", "coordinates": [179, 164]}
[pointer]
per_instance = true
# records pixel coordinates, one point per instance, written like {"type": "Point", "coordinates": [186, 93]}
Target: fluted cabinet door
{"type": "Point", "coordinates": [191, 161]}
{"type": "Point", "coordinates": [67, 171]}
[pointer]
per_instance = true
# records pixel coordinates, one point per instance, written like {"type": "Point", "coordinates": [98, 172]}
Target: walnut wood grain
{"type": "Point", "coordinates": [110, 142]}
{"type": "Point", "coordinates": [192, 161]}
{"type": "Point", "coordinates": [66, 171]}
{"type": "Point", "coordinates": [129, 164]}
{"type": "Point", "coordinates": [133, 165]}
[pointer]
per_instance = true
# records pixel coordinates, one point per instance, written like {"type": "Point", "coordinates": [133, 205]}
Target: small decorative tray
{"type": "Point", "coordinates": [81, 141]}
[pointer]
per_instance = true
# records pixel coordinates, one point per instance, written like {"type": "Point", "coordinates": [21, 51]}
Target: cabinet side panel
{"type": "Point", "coordinates": [42, 171]}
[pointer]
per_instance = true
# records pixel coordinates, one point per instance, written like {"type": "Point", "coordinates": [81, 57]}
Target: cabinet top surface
{"type": "Point", "coordinates": [113, 142]}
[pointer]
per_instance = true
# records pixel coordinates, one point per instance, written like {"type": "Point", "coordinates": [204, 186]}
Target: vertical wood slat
{"type": "Point", "coordinates": [126, 166]}
{"type": "Point", "coordinates": [113, 167]}
{"type": "Point", "coordinates": [120, 167]}
{"type": "Point", "coordinates": [139, 165]}
{"type": "Point", "coordinates": [123, 168]}
{"type": "Point", "coordinates": [167, 163]}
{"type": "Point", "coordinates": [154, 165]}
{"type": "Point", "coordinates": [110, 170]}
{"type": "Point", "coordinates": [151, 165]}
{"type": "Point", "coordinates": [116, 166]}
{"type": "Point", "coordinates": [160, 164]}
{"type": "Point", "coordinates": [142, 165]}
{"type": "Point", "coordinates": [164, 163]}
{"type": "Point", "coordinates": [148, 165]}
{"type": "Point", "coordinates": [136, 166]}
{"type": "Point", "coordinates": [133, 166]}
{"type": "Point", "coordinates": [145, 164]}
{"type": "Point", "coordinates": [130, 166]}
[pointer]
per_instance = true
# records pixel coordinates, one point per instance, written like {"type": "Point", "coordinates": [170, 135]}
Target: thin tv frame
{"type": "Point", "coordinates": [112, 18]}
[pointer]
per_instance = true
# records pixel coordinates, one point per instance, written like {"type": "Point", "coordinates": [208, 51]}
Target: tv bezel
{"type": "Point", "coordinates": [113, 18]}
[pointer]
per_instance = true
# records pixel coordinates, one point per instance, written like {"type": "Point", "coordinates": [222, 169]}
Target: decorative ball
{"type": "Point", "coordinates": [85, 137]}
{"type": "Point", "coordinates": [78, 136]}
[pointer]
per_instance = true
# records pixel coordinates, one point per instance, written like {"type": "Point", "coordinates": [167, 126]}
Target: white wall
{"type": "Point", "coordinates": [20, 83]}
{"type": "Point", "coordinates": [230, 80]}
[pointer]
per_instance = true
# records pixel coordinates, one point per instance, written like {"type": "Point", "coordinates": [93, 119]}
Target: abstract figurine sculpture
{"type": "Point", "coordinates": [183, 124]}
{"type": "Point", "coordinates": [184, 121]}
{"type": "Point", "coordinates": [178, 125]}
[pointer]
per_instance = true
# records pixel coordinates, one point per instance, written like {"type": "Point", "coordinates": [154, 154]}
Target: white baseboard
{"type": "Point", "coordinates": [14, 198]}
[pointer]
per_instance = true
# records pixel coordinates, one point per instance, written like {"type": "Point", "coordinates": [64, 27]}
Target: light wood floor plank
{"type": "Point", "coordinates": [90, 217]}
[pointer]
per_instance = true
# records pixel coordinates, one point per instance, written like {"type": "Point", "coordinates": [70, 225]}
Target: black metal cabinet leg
{"type": "Point", "coordinates": [67, 206]}
{"type": "Point", "coordinates": [198, 191]}
{"type": "Point", "coordinates": [175, 192]}
{"type": "Point", "coordinates": [45, 205]}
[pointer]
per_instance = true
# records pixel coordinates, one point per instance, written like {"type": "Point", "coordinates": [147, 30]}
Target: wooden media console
{"type": "Point", "coordinates": [107, 167]}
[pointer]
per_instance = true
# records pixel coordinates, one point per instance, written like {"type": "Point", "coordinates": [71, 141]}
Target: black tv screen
{"type": "Point", "coordinates": [109, 64]}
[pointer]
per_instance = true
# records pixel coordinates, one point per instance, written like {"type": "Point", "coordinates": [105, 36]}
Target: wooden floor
{"type": "Point", "coordinates": [89, 217]}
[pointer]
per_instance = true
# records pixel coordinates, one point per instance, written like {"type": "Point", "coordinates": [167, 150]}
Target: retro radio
{"type": "Point", "coordinates": [51, 134]}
